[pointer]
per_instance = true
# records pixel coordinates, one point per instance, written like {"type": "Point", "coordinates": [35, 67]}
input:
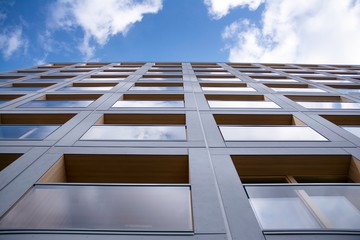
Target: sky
{"type": "Point", "coordinates": [268, 31]}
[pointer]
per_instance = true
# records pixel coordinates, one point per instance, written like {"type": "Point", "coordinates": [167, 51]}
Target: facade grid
{"type": "Point", "coordinates": [180, 150]}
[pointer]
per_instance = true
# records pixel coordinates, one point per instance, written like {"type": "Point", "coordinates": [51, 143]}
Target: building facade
{"type": "Point", "coordinates": [170, 150]}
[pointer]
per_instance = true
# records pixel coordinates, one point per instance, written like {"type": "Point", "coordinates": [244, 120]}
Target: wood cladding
{"type": "Point", "coordinates": [254, 119]}
{"type": "Point", "coordinates": [326, 167]}
{"type": "Point", "coordinates": [35, 118]}
{"type": "Point", "coordinates": [144, 119]}
{"type": "Point", "coordinates": [343, 119]}
{"type": "Point", "coordinates": [7, 158]}
{"type": "Point", "coordinates": [119, 169]}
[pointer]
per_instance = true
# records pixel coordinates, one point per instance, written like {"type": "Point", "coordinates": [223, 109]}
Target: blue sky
{"type": "Point", "coordinates": [313, 31]}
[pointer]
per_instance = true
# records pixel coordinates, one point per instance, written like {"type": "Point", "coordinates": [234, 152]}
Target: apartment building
{"type": "Point", "coordinates": [171, 150]}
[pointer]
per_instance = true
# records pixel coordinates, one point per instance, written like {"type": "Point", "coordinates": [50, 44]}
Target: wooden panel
{"type": "Point", "coordinates": [275, 85]}
{"type": "Point", "coordinates": [35, 118]}
{"type": "Point", "coordinates": [57, 173]}
{"type": "Point", "coordinates": [345, 86]}
{"type": "Point", "coordinates": [39, 84]}
{"type": "Point", "coordinates": [254, 119]}
{"type": "Point", "coordinates": [72, 96]}
{"type": "Point", "coordinates": [354, 170]}
{"type": "Point", "coordinates": [297, 165]}
{"type": "Point", "coordinates": [343, 119]}
{"type": "Point", "coordinates": [223, 84]}
{"type": "Point", "coordinates": [165, 84]}
{"type": "Point", "coordinates": [144, 119]}
{"type": "Point", "coordinates": [100, 84]}
{"type": "Point", "coordinates": [153, 97]}
{"type": "Point", "coordinates": [315, 98]}
{"type": "Point", "coordinates": [9, 97]}
{"type": "Point", "coordinates": [120, 169]}
{"type": "Point", "coordinates": [235, 97]}
{"type": "Point", "coordinates": [7, 158]}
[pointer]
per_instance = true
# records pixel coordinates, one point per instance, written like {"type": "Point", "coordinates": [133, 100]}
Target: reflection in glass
{"type": "Point", "coordinates": [85, 89]}
{"type": "Point", "coordinates": [46, 80]}
{"type": "Point", "coordinates": [297, 90]}
{"type": "Point", "coordinates": [274, 80]}
{"type": "Point", "coordinates": [122, 208]}
{"type": "Point", "coordinates": [3, 101]}
{"type": "Point", "coordinates": [306, 207]}
{"type": "Point", "coordinates": [19, 89]}
{"type": "Point", "coordinates": [56, 103]}
{"type": "Point", "coordinates": [170, 88]}
{"type": "Point", "coordinates": [133, 132]}
{"type": "Point", "coordinates": [242, 104]}
{"type": "Point", "coordinates": [350, 90]}
{"type": "Point", "coordinates": [353, 129]}
{"type": "Point", "coordinates": [134, 103]}
{"type": "Point", "coordinates": [330, 105]}
{"type": "Point", "coordinates": [220, 79]}
{"type": "Point", "coordinates": [331, 81]}
{"type": "Point", "coordinates": [27, 132]}
{"type": "Point", "coordinates": [101, 79]}
{"type": "Point", "coordinates": [160, 79]}
{"type": "Point", "coordinates": [270, 133]}
{"type": "Point", "coordinates": [229, 89]}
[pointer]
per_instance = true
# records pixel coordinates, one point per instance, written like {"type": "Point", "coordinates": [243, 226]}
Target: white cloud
{"type": "Point", "coordinates": [298, 31]}
{"type": "Point", "coordinates": [220, 8]}
{"type": "Point", "coordinates": [99, 19]}
{"type": "Point", "coordinates": [12, 41]}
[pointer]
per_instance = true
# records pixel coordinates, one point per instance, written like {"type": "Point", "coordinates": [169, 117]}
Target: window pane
{"type": "Point", "coordinates": [297, 90]}
{"type": "Point", "coordinates": [353, 129]}
{"type": "Point", "coordinates": [306, 207]}
{"type": "Point", "coordinates": [273, 133]}
{"type": "Point", "coordinates": [158, 88]}
{"type": "Point", "coordinates": [27, 132]}
{"type": "Point", "coordinates": [20, 89]}
{"type": "Point", "coordinates": [130, 208]}
{"type": "Point", "coordinates": [220, 79]}
{"type": "Point", "coordinates": [330, 105]}
{"type": "Point", "coordinates": [242, 104]}
{"type": "Point", "coordinates": [56, 103]}
{"type": "Point", "coordinates": [229, 89]}
{"type": "Point", "coordinates": [126, 132]}
{"type": "Point", "coordinates": [85, 88]}
{"type": "Point", "coordinates": [149, 104]}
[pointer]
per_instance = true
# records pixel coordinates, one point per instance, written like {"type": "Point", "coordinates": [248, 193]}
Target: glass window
{"type": "Point", "coordinates": [101, 79]}
{"type": "Point", "coordinates": [297, 90]}
{"type": "Point", "coordinates": [349, 90]}
{"type": "Point", "coordinates": [19, 89]}
{"type": "Point", "coordinates": [135, 132]}
{"type": "Point", "coordinates": [229, 89]}
{"type": "Point", "coordinates": [46, 80]}
{"type": "Point", "coordinates": [56, 103]}
{"type": "Point", "coordinates": [219, 79]}
{"type": "Point", "coordinates": [160, 79]}
{"type": "Point", "coordinates": [26, 132]}
{"type": "Point", "coordinates": [146, 88]}
{"type": "Point", "coordinates": [134, 103]}
{"type": "Point", "coordinates": [274, 80]}
{"type": "Point", "coordinates": [306, 207]}
{"type": "Point", "coordinates": [330, 81]}
{"type": "Point", "coordinates": [270, 133]}
{"type": "Point", "coordinates": [112, 207]}
{"type": "Point", "coordinates": [330, 105]}
{"type": "Point", "coordinates": [353, 129]}
{"type": "Point", "coordinates": [242, 104]}
{"type": "Point", "coordinates": [85, 89]}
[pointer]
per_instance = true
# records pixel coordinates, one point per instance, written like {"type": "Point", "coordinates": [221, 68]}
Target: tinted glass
{"type": "Point", "coordinates": [26, 132]}
{"type": "Point", "coordinates": [305, 207]}
{"type": "Point", "coordinates": [19, 89]}
{"type": "Point", "coordinates": [149, 104]}
{"type": "Point", "coordinates": [274, 80]}
{"type": "Point", "coordinates": [297, 90]}
{"type": "Point", "coordinates": [331, 81]}
{"type": "Point", "coordinates": [127, 132]}
{"type": "Point", "coordinates": [242, 104]}
{"type": "Point", "coordinates": [353, 129]}
{"type": "Point", "coordinates": [56, 103]}
{"type": "Point", "coordinates": [129, 208]}
{"type": "Point", "coordinates": [229, 89]}
{"type": "Point", "coordinates": [350, 90]}
{"type": "Point", "coordinates": [171, 88]}
{"type": "Point", "coordinates": [101, 79]}
{"type": "Point", "coordinates": [273, 133]}
{"type": "Point", "coordinates": [330, 105]}
{"type": "Point", "coordinates": [220, 79]}
{"type": "Point", "coordinates": [160, 79]}
{"type": "Point", "coordinates": [85, 89]}
{"type": "Point", "coordinates": [46, 80]}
